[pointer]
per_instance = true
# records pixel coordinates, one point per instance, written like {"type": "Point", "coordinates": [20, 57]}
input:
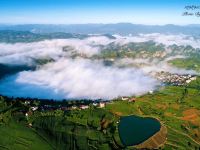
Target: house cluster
{"type": "Point", "coordinates": [129, 99]}
{"type": "Point", "coordinates": [95, 104]}
{"type": "Point", "coordinates": [174, 79]}
{"type": "Point", "coordinates": [99, 105]}
{"type": "Point", "coordinates": [49, 107]}
{"type": "Point", "coordinates": [73, 107]}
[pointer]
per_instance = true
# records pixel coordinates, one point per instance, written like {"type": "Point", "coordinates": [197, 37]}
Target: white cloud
{"type": "Point", "coordinates": [87, 79]}
{"type": "Point", "coordinates": [166, 39]}
{"type": "Point", "coordinates": [22, 53]}
{"type": "Point", "coordinates": [84, 78]}
{"type": "Point", "coordinates": [149, 66]}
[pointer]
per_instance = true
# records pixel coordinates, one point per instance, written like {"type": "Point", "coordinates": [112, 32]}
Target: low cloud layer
{"type": "Point", "coordinates": [151, 66]}
{"type": "Point", "coordinates": [165, 39]}
{"type": "Point", "coordinates": [84, 78]}
{"type": "Point", "coordinates": [24, 53]}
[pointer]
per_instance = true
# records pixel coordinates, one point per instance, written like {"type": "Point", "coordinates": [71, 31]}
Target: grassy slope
{"type": "Point", "coordinates": [15, 136]}
{"type": "Point", "coordinates": [166, 106]}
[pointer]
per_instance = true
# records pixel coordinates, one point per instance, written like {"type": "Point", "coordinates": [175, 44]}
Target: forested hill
{"type": "Point", "coordinates": [11, 36]}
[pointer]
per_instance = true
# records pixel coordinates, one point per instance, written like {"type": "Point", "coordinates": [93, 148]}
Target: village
{"type": "Point", "coordinates": [174, 79]}
{"type": "Point", "coordinates": [68, 105]}
{"type": "Point", "coordinates": [45, 106]}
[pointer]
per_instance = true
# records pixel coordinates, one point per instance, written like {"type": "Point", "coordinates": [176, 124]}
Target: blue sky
{"type": "Point", "coordinates": [96, 11]}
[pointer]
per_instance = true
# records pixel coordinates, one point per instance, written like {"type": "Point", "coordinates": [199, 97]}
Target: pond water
{"type": "Point", "coordinates": [134, 130]}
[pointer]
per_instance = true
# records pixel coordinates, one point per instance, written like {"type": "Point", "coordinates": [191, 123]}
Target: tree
{"type": "Point", "coordinates": [58, 112]}
{"type": "Point", "coordinates": [189, 144]}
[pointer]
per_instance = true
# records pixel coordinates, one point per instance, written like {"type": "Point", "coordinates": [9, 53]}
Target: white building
{"type": "Point", "coordinates": [125, 98]}
{"type": "Point", "coordinates": [27, 102]}
{"type": "Point", "coordinates": [34, 108]}
{"type": "Point", "coordinates": [95, 104]}
{"type": "Point", "coordinates": [193, 78]}
{"type": "Point", "coordinates": [150, 92]}
{"type": "Point", "coordinates": [101, 105]}
{"type": "Point", "coordinates": [84, 107]}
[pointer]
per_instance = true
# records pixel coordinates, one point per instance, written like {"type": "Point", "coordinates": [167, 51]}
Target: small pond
{"type": "Point", "coordinates": [134, 130]}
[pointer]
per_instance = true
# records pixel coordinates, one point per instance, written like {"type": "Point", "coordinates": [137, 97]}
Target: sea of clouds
{"type": "Point", "coordinates": [82, 77]}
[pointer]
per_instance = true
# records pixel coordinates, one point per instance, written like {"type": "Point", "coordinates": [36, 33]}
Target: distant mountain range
{"type": "Point", "coordinates": [119, 28]}
{"type": "Point", "coordinates": [14, 36]}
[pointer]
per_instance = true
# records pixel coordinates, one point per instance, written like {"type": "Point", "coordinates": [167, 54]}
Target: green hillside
{"type": "Point", "coordinates": [178, 108]}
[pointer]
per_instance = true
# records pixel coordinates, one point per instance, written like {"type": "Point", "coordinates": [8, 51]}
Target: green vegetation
{"type": "Point", "coordinates": [15, 134]}
{"type": "Point", "coordinates": [19, 137]}
{"type": "Point", "coordinates": [187, 63]}
{"type": "Point", "coordinates": [132, 50]}
{"type": "Point", "coordinates": [178, 108]}
{"type": "Point", "coordinates": [92, 128]}
{"type": "Point", "coordinates": [165, 105]}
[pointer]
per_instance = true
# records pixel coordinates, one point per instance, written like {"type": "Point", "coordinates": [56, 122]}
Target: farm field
{"type": "Point", "coordinates": [173, 110]}
{"type": "Point", "coordinates": [176, 107]}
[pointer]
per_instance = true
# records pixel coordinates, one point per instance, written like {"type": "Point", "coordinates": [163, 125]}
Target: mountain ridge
{"type": "Point", "coordinates": [118, 28]}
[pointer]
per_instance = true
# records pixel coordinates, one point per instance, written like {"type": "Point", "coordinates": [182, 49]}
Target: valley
{"type": "Point", "coordinates": [99, 92]}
